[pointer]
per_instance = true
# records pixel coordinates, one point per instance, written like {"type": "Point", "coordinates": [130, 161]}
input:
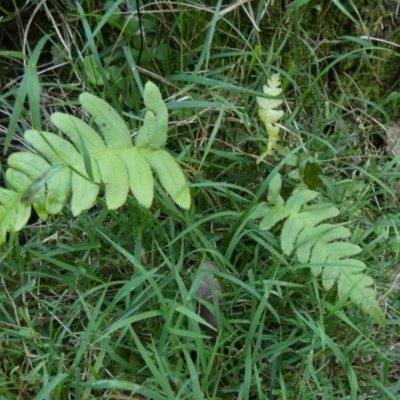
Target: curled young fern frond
{"type": "Point", "coordinates": [322, 246]}
{"type": "Point", "coordinates": [268, 113]}
{"type": "Point", "coordinates": [88, 161]}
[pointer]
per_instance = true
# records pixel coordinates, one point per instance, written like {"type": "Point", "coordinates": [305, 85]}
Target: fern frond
{"type": "Point", "coordinates": [322, 246]}
{"type": "Point", "coordinates": [268, 114]}
{"type": "Point", "coordinates": [80, 165]}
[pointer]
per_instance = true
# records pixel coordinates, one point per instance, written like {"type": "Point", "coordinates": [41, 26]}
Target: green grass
{"type": "Point", "coordinates": [102, 305]}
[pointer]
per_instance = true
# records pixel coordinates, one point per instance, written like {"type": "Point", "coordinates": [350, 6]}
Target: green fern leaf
{"type": "Point", "coordinates": [359, 288]}
{"type": "Point", "coordinates": [62, 167]}
{"type": "Point", "coordinates": [275, 186]}
{"type": "Point", "coordinates": [309, 236]}
{"type": "Point", "coordinates": [298, 221]}
{"type": "Point", "coordinates": [59, 190]}
{"type": "Point", "coordinates": [53, 148]}
{"type": "Point", "coordinates": [18, 180]}
{"type": "Point", "coordinates": [273, 216]}
{"type": "Point", "coordinates": [74, 128]}
{"type": "Point", "coordinates": [118, 171]}
{"type": "Point", "coordinates": [111, 125]}
{"type": "Point", "coordinates": [298, 199]}
{"type": "Point", "coordinates": [154, 102]}
{"type": "Point", "coordinates": [348, 273]}
{"type": "Point", "coordinates": [322, 246]}
{"type": "Point", "coordinates": [144, 137]}
{"type": "Point", "coordinates": [57, 180]}
{"type": "Point", "coordinates": [105, 161]}
{"type": "Point", "coordinates": [56, 150]}
{"type": "Point", "coordinates": [13, 214]}
{"type": "Point", "coordinates": [115, 178]}
{"type": "Point", "coordinates": [84, 194]}
{"type": "Point", "coordinates": [153, 133]}
{"type": "Point", "coordinates": [325, 253]}
{"type": "Point", "coordinates": [141, 181]}
{"type": "Point", "coordinates": [171, 175]}
{"type": "Point", "coordinates": [33, 166]}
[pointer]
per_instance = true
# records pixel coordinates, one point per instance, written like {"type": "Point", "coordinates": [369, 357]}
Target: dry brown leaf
{"type": "Point", "coordinates": [209, 288]}
{"type": "Point", "coordinates": [393, 140]}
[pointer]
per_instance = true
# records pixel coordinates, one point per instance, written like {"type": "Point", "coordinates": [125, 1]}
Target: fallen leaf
{"type": "Point", "coordinates": [393, 139]}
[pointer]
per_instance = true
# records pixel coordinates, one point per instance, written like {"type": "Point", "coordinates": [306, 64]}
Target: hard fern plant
{"type": "Point", "coordinates": [76, 169]}
{"type": "Point", "coordinates": [322, 246]}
